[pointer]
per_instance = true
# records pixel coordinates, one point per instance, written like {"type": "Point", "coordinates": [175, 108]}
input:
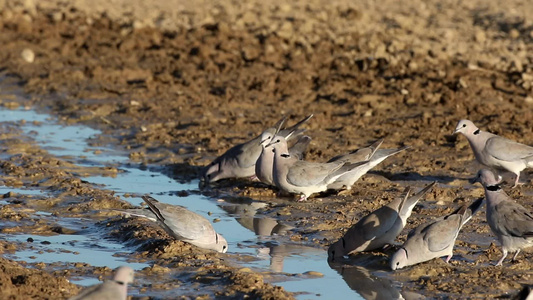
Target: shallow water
{"type": "Point", "coordinates": [272, 252]}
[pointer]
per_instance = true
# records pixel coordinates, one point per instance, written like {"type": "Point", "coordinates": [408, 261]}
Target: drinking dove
{"type": "Point", "coordinates": [509, 221]}
{"type": "Point", "coordinates": [239, 161]}
{"type": "Point", "coordinates": [301, 177]}
{"type": "Point", "coordinates": [495, 151]}
{"type": "Point", "coordinates": [378, 228]}
{"type": "Point", "coordinates": [434, 239]}
{"type": "Point", "coordinates": [182, 224]}
{"type": "Point", "coordinates": [114, 289]}
{"type": "Point", "coordinates": [372, 154]}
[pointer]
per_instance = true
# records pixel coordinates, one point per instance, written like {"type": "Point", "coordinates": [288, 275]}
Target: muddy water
{"type": "Point", "coordinates": [297, 267]}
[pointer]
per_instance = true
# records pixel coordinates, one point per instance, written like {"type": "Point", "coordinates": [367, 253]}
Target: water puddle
{"type": "Point", "coordinates": [247, 234]}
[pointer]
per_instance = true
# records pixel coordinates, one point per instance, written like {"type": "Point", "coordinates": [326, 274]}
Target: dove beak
{"type": "Point", "coordinates": [263, 141]}
{"type": "Point", "coordinates": [271, 143]}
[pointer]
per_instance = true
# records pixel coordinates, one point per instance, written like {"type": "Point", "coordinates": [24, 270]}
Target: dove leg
{"type": "Point", "coordinates": [254, 178]}
{"type": "Point", "coordinates": [302, 198]}
{"type": "Point", "coordinates": [516, 254]}
{"type": "Point", "coordinates": [499, 263]}
{"type": "Point", "coordinates": [448, 258]}
{"type": "Point", "coordinates": [516, 180]}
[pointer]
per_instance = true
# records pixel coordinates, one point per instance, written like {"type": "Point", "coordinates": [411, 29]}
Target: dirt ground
{"type": "Point", "coordinates": [177, 84]}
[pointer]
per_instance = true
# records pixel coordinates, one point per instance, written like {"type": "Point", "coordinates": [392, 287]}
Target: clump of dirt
{"type": "Point", "coordinates": [19, 282]}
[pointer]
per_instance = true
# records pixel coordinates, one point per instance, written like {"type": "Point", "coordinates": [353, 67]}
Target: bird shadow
{"type": "Point", "coordinates": [414, 176]}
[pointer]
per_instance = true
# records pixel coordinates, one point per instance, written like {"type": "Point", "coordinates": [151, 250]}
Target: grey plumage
{"type": "Point", "coordinates": [182, 224]}
{"type": "Point", "coordinates": [239, 161]}
{"type": "Point", "coordinates": [114, 289]}
{"type": "Point", "coordinates": [371, 154]}
{"type": "Point", "coordinates": [433, 239]}
{"type": "Point", "coordinates": [265, 163]}
{"type": "Point", "coordinates": [509, 221]}
{"type": "Point", "coordinates": [378, 228]}
{"type": "Point", "coordinates": [496, 152]}
{"type": "Point", "coordinates": [301, 177]}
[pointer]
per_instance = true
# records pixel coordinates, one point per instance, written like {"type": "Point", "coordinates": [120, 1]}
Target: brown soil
{"type": "Point", "coordinates": [177, 85]}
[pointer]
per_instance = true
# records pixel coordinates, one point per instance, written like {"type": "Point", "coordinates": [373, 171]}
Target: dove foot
{"type": "Point", "coordinates": [499, 263]}
{"type": "Point", "coordinates": [302, 198]}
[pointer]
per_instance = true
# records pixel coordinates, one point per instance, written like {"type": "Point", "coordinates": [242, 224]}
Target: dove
{"type": "Point", "coordinates": [182, 224]}
{"type": "Point", "coordinates": [302, 177]}
{"type": "Point", "coordinates": [434, 239]}
{"type": "Point", "coordinates": [378, 228]}
{"type": "Point", "coordinates": [265, 162]}
{"type": "Point", "coordinates": [372, 154]}
{"type": "Point", "coordinates": [114, 289]}
{"type": "Point", "coordinates": [509, 221]}
{"type": "Point", "coordinates": [496, 152]}
{"type": "Point", "coordinates": [239, 161]}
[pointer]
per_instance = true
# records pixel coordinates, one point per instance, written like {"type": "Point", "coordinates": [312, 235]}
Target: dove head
{"type": "Point", "coordinates": [398, 259]}
{"type": "Point", "coordinates": [279, 146]}
{"type": "Point", "coordinates": [486, 178]}
{"type": "Point", "coordinates": [465, 127]}
{"type": "Point", "coordinates": [124, 275]}
{"type": "Point", "coordinates": [267, 136]}
{"type": "Point", "coordinates": [336, 249]}
{"type": "Point", "coordinates": [221, 244]}
{"type": "Point", "coordinates": [213, 172]}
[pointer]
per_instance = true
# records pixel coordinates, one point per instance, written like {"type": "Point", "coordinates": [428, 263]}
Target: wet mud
{"type": "Point", "coordinates": [175, 86]}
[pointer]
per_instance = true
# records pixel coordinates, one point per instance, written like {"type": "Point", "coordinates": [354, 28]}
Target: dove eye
{"type": "Point", "coordinates": [398, 263]}
{"type": "Point", "coordinates": [464, 125]}
{"type": "Point", "coordinates": [278, 141]}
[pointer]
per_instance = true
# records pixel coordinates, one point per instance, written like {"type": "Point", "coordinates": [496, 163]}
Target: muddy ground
{"type": "Point", "coordinates": [177, 84]}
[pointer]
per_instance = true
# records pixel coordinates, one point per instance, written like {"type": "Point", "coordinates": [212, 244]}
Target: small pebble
{"type": "Point", "coordinates": [28, 55]}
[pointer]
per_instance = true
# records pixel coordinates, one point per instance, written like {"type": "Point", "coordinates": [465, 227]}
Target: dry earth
{"type": "Point", "coordinates": [177, 84]}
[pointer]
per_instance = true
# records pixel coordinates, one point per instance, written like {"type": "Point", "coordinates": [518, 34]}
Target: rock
{"type": "Point", "coordinates": [313, 274]}
{"type": "Point", "coordinates": [28, 55]}
{"type": "Point", "coordinates": [285, 30]}
{"type": "Point", "coordinates": [57, 17]}
{"type": "Point", "coordinates": [480, 36]}
{"type": "Point", "coordinates": [514, 33]}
